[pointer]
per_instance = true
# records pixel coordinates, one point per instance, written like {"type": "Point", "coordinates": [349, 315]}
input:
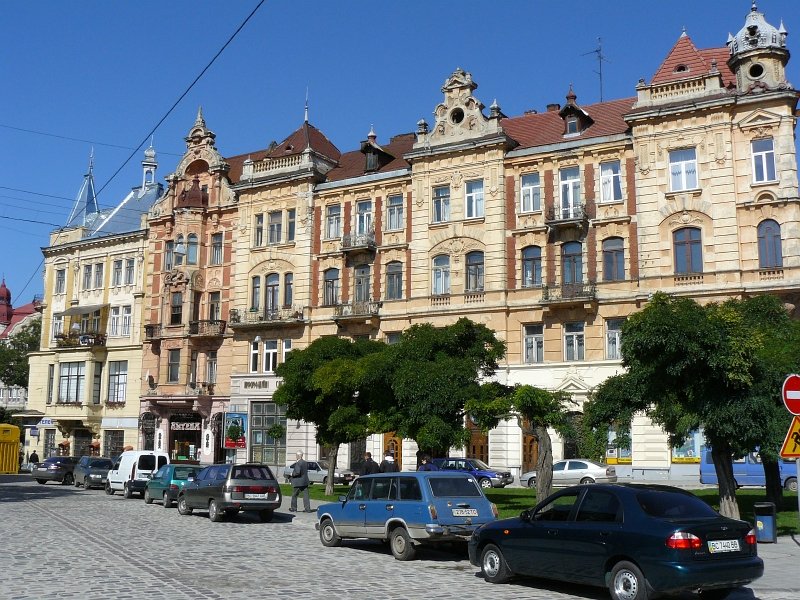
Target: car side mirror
{"type": "Point", "coordinates": [525, 515]}
{"type": "Point", "coordinates": [342, 498]}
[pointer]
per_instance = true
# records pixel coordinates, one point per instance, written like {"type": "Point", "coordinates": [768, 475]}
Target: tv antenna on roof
{"type": "Point", "coordinates": [601, 58]}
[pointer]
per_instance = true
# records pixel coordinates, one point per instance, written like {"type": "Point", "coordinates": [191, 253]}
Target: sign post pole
{"type": "Point", "coordinates": [791, 399]}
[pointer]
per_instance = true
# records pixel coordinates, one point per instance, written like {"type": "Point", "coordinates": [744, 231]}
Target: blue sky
{"type": "Point", "coordinates": [106, 72]}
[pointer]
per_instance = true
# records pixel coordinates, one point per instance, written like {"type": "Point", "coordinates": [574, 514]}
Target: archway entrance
{"type": "Point", "coordinates": [393, 445]}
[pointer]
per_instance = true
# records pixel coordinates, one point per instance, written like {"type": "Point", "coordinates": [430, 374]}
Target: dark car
{"type": "Point", "coordinates": [227, 489]}
{"type": "Point", "coordinates": [634, 539]}
{"type": "Point", "coordinates": [55, 468]}
{"type": "Point", "coordinates": [486, 476]}
{"type": "Point", "coordinates": [168, 482]}
{"type": "Point", "coordinates": [92, 471]}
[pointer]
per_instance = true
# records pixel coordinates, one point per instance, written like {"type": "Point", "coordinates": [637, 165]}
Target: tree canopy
{"type": "Point", "coordinates": [14, 354]}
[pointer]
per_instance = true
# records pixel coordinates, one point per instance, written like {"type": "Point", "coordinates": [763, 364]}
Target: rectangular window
{"type": "Point", "coordinates": [610, 183]}
{"type": "Point", "coordinates": [193, 368]}
{"type": "Point", "coordinates": [216, 248]}
{"type": "Point", "coordinates": [394, 281]}
{"type": "Point", "coordinates": [613, 338]}
{"type": "Point", "coordinates": [51, 374]}
{"type": "Point", "coordinates": [763, 160]}
{"type": "Point", "coordinates": [393, 337]}
{"type": "Point", "coordinates": [215, 306]}
{"type": "Point", "coordinates": [211, 367]}
{"type": "Point", "coordinates": [474, 199]}
{"type": "Point", "coordinates": [169, 255]}
{"type": "Point", "coordinates": [173, 366]}
{"type": "Point", "coordinates": [530, 193]}
{"type": "Point", "coordinates": [683, 169]}
{"type": "Point", "coordinates": [61, 281]}
{"type": "Point", "coordinates": [275, 224]}
{"type": "Point", "coordinates": [570, 179]}
{"type": "Point", "coordinates": [176, 309]}
{"type": "Point", "coordinates": [116, 273]}
{"type": "Point", "coordinates": [117, 381]}
{"type": "Point", "coordinates": [114, 320]}
{"type": "Point", "coordinates": [363, 217]}
{"type": "Point", "coordinates": [98, 275]}
{"type": "Point", "coordinates": [71, 382]}
{"type": "Point", "coordinates": [58, 325]}
{"type": "Point", "coordinates": [270, 355]}
{"type": "Point", "coordinates": [98, 382]}
{"type": "Point", "coordinates": [573, 341]}
{"type": "Point", "coordinates": [534, 344]}
{"type": "Point", "coordinates": [288, 290]}
{"type": "Point", "coordinates": [333, 222]}
{"type": "Point", "coordinates": [113, 442]}
{"type": "Point", "coordinates": [255, 293]}
{"type": "Point", "coordinates": [290, 224]}
{"type": "Point", "coordinates": [394, 213]}
{"type": "Point", "coordinates": [258, 231]}
{"type": "Point", "coordinates": [95, 322]}
{"type": "Point", "coordinates": [129, 271]}
{"type": "Point", "coordinates": [126, 320]}
{"type": "Point", "coordinates": [87, 277]}
{"type": "Point", "coordinates": [287, 347]}
{"type": "Point", "coordinates": [254, 357]}
{"type": "Point", "coordinates": [441, 204]}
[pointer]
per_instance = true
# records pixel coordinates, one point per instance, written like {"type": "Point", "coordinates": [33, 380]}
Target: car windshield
{"type": "Point", "coordinates": [101, 463]}
{"type": "Point", "coordinates": [252, 472]}
{"type": "Point", "coordinates": [182, 473]}
{"type": "Point", "coordinates": [664, 504]}
{"type": "Point", "coordinates": [480, 464]}
{"type": "Point", "coordinates": [446, 487]}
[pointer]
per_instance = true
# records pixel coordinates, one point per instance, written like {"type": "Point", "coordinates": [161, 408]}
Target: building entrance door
{"type": "Point", "coordinates": [393, 445]}
{"type": "Point", "coordinates": [478, 442]}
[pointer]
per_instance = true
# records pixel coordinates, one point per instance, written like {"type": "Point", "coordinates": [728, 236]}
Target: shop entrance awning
{"type": "Point", "coordinates": [82, 310]}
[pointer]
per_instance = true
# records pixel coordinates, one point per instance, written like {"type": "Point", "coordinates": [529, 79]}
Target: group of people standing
{"type": "Point", "coordinates": [389, 465]}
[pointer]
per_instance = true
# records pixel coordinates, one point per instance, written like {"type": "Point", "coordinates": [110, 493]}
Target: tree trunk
{"type": "Point", "coordinates": [723, 465]}
{"type": "Point", "coordinates": [544, 464]}
{"type": "Point", "coordinates": [333, 456]}
{"type": "Point", "coordinates": [772, 476]}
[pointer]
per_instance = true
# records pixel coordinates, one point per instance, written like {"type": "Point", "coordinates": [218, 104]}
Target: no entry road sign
{"type": "Point", "coordinates": [791, 394]}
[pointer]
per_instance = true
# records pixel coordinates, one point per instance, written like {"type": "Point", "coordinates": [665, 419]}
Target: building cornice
{"type": "Point", "coordinates": [572, 144]}
{"type": "Point", "coordinates": [371, 178]}
{"type": "Point", "coordinates": [111, 239]}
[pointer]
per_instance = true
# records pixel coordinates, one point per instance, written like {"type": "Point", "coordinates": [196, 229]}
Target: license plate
{"type": "Point", "coordinates": [723, 546]}
{"type": "Point", "coordinates": [255, 496]}
{"type": "Point", "coordinates": [465, 512]}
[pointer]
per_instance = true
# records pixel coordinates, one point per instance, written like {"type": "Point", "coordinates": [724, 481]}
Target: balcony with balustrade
{"type": "Point", "coordinates": [266, 319]}
{"type": "Point", "coordinates": [570, 294]}
{"type": "Point", "coordinates": [355, 242]}
{"type": "Point", "coordinates": [207, 329]}
{"type": "Point", "coordinates": [88, 339]}
{"type": "Point", "coordinates": [562, 217]}
{"type": "Point", "coordinates": [356, 312]}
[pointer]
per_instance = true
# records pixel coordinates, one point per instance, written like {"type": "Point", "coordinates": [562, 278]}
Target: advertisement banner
{"type": "Point", "coordinates": [235, 433]}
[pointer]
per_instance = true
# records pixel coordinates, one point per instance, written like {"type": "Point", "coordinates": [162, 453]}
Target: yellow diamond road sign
{"type": "Point", "coordinates": [791, 445]}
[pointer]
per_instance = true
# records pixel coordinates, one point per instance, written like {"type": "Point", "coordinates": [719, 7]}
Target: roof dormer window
{"type": "Point", "coordinates": [681, 69]}
{"type": "Point", "coordinates": [573, 126]}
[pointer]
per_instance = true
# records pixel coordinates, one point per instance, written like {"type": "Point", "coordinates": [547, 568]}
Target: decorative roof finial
{"type": "Point", "coordinates": [372, 136]}
{"type": "Point", "coordinates": [305, 117]}
{"type": "Point", "coordinates": [200, 120]}
{"type": "Point", "coordinates": [754, 8]}
{"type": "Point", "coordinates": [91, 160]}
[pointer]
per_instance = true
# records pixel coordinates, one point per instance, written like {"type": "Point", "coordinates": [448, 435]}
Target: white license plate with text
{"type": "Point", "coordinates": [465, 512]}
{"type": "Point", "coordinates": [255, 496]}
{"type": "Point", "coordinates": [723, 546]}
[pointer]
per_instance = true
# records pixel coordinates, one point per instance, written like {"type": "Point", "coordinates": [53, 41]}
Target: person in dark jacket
{"type": "Point", "coordinates": [33, 458]}
{"type": "Point", "coordinates": [427, 465]}
{"type": "Point", "coordinates": [300, 484]}
{"type": "Point", "coordinates": [388, 465]}
{"type": "Point", "coordinates": [370, 466]}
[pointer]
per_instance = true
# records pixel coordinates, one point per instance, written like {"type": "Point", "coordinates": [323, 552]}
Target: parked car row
{"type": "Point", "coordinates": [318, 473]}
{"type": "Point", "coordinates": [572, 471]}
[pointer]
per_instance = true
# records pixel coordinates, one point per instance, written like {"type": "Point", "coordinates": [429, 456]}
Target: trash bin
{"type": "Point", "coordinates": [766, 526]}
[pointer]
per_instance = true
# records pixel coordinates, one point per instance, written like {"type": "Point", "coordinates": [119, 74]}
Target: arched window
{"type": "Point", "coordinates": [572, 263]}
{"type": "Point", "coordinates": [331, 287]}
{"type": "Point", "coordinates": [770, 255]}
{"type": "Point", "coordinates": [531, 266]}
{"type": "Point", "coordinates": [474, 281]}
{"type": "Point", "coordinates": [255, 293]}
{"type": "Point", "coordinates": [688, 250]}
{"type": "Point", "coordinates": [362, 279]}
{"type": "Point", "coordinates": [191, 249]}
{"type": "Point", "coordinates": [180, 250]}
{"type": "Point", "coordinates": [394, 280]}
{"type": "Point", "coordinates": [613, 259]}
{"type": "Point", "coordinates": [288, 292]}
{"type": "Point", "coordinates": [441, 275]}
{"type": "Point", "coordinates": [271, 303]}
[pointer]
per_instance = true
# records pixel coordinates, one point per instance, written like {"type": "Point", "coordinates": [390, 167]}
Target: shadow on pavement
{"type": "Point", "coordinates": [18, 488]}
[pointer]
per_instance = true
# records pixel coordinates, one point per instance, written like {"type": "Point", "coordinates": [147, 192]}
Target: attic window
{"type": "Point", "coordinates": [288, 148]}
{"type": "Point", "coordinates": [372, 161]}
{"type": "Point", "coordinates": [572, 125]}
{"type": "Point", "coordinates": [457, 115]}
{"type": "Point", "coordinates": [756, 71]}
{"type": "Point", "coordinates": [681, 69]}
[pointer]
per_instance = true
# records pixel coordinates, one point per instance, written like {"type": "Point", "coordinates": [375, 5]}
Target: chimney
{"type": "Point", "coordinates": [554, 107]}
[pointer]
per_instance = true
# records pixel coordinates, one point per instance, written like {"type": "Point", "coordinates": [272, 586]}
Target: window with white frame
{"type": "Point", "coordinates": [570, 183]}
{"type": "Point", "coordinates": [258, 231]}
{"type": "Point", "coordinates": [530, 193]}
{"type": "Point", "coordinates": [216, 249]}
{"type": "Point", "coordinates": [394, 213]}
{"type": "Point", "coordinates": [254, 356]}
{"type": "Point", "coordinates": [683, 169]}
{"type": "Point", "coordinates": [215, 306]}
{"type": "Point", "coordinates": [333, 221]}
{"type": "Point", "coordinates": [211, 366]}
{"type": "Point", "coordinates": [534, 343]}
{"type": "Point", "coordinates": [87, 277]}
{"type": "Point", "coordinates": [130, 270]}
{"type": "Point", "coordinates": [116, 273]}
{"type": "Point", "coordinates": [71, 383]}
{"type": "Point", "coordinates": [441, 275]}
{"type": "Point", "coordinates": [363, 217]}
{"type": "Point", "coordinates": [288, 290]}
{"type": "Point", "coordinates": [763, 160]}
{"type": "Point", "coordinates": [98, 275]}
{"type": "Point", "coordinates": [114, 321]}
{"type": "Point", "coordinates": [331, 287]}
{"type": "Point", "coordinates": [441, 204]}
{"type": "Point", "coordinates": [474, 199]}
{"type": "Point", "coordinates": [287, 347]}
{"type": "Point", "coordinates": [126, 320]}
{"type": "Point", "coordinates": [272, 297]}
{"type": "Point", "coordinates": [531, 266]}
{"type": "Point", "coordinates": [572, 263]}
{"type": "Point", "coordinates": [117, 381]}
{"type": "Point", "coordinates": [290, 224]}
{"type": "Point", "coordinates": [610, 182]}
{"type": "Point", "coordinates": [173, 366]}
{"type": "Point", "coordinates": [275, 224]}
{"type": "Point", "coordinates": [474, 282]}
{"type": "Point", "coordinates": [573, 341]}
{"type": "Point", "coordinates": [58, 325]}
{"type": "Point", "coordinates": [97, 383]}
{"type": "Point", "coordinates": [613, 259]}
{"type": "Point", "coordinates": [394, 280]}
{"type": "Point", "coordinates": [362, 283]}
{"type": "Point", "coordinates": [270, 355]}
{"type": "Point", "coordinates": [613, 338]}
{"type": "Point", "coordinates": [61, 281]}
{"type": "Point", "coordinates": [176, 309]}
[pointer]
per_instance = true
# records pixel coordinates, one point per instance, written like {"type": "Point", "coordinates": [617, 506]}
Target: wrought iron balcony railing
{"type": "Point", "coordinates": [565, 214]}
{"type": "Point", "coordinates": [75, 340]}
{"type": "Point", "coordinates": [356, 310]}
{"type": "Point", "coordinates": [261, 317]}
{"type": "Point", "coordinates": [209, 328]}
{"type": "Point", "coordinates": [152, 332]}
{"type": "Point", "coordinates": [358, 241]}
{"type": "Point", "coordinates": [569, 292]}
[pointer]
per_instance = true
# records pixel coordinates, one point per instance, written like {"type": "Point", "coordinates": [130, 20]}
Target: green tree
{"type": "Point", "coordinates": [14, 354]}
{"type": "Point", "coordinates": [332, 384]}
{"type": "Point", "coordinates": [7, 416]}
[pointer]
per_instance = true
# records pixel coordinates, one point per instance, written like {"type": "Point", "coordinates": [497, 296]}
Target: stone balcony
{"type": "Point", "coordinates": [207, 328]}
{"type": "Point", "coordinates": [264, 319]}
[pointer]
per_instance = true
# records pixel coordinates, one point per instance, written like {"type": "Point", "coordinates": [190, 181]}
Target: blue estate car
{"type": "Point", "coordinates": [485, 475]}
{"type": "Point", "coordinates": [634, 539]}
{"type": "Point", "coordinates": [407, 509]}
{"type": "Point", "coordinates": [167, 483]}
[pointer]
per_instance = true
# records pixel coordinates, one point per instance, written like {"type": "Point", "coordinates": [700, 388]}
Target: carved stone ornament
{"type": "Point", "coordinates": [685, 218]}
{"type": "Point", "coordinates": [176, 277]}
{"type": "Point", "coordinates": [456, 179]}
{"type": "Point", "coordinates": [214, 283]}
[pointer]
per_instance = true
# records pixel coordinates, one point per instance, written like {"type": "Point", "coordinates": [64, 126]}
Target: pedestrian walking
{"type": "Point", "coordinates": [33, 458]}
{"type": "Point", "coordinates": [300, 484]}
{"type": "Point", "coordinates": [388, 465]}
{"type": "Point", "coordinates": [427, 465]}
{"type": "Point", "coordinates": [370, 466]}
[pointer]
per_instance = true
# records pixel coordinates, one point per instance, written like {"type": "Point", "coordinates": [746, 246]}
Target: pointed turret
{"type": "Point", "coordinates": [85, 210]}
{"type": "Point", "coordinates": [758, 54]}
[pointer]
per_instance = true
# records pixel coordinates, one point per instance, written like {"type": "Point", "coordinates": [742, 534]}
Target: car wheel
{"type": "Point", "coordinates": [485, 483]}
{"type": "Point", "coordinates": [494, 565]}
{"type": "Point", "coordinates": [532, 482]}
{"type": "Point", "coordinates": [109, 489]}
{"type": "Point", "coordinates": [214, 513]}
{"type": "Point", "coordinates": [42, 481]}
{"type": "Point", "coordinates": [78, 483]}
{"type": "Point", "coordinates": [587, 480]}
{"type": "Point", "coordinates": [328, 535]}
{"type": "Point", "coordinates": [627, 582]}
{"type": "Point", "coordinates": [167, 502]}
{"type": "Point", "coordinates": [401, 545]}
{"type": "Point", "coordinates": [126, 492]}
{"type": "Point", "coordinates": [148, 499]}
{"type": "Point", "coordinates": [719, 594]}
{"type": "Point", "coordinates": [68, 479]}
{"type": "Point", "coordinates": [266, 515]}
{"type": "Point", "coordinates": [183, 508]}
{"type": "Point", "coordinates": [790, 484]}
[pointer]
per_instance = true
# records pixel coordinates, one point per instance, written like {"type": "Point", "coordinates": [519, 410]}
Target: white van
{"type": "Point", "coordinates": [132, 470]}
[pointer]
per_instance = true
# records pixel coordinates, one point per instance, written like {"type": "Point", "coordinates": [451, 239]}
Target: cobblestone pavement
{"type": "Point", "coordinates": [63, 542]}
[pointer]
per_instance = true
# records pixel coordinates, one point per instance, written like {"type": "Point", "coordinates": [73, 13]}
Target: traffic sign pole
{"type": "Point", "coordinates": [791, 400]}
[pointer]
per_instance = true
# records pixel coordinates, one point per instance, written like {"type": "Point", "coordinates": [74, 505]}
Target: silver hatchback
{"type": "Point", "coordinates": [573, 471]}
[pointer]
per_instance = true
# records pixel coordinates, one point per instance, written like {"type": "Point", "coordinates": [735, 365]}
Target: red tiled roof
{"type": "Point", "coordinates": [352, 164]}
{"type": "Point", "coordinates": [20, 314]}
{"type": "Point", "coordinates": [693, 62]}
{"type": "Point", "coordinates": [236, 162]}
{"type": "Point", "coordinates": [548, 127]}
{"type": "Point", "coordinates": [305, 136]}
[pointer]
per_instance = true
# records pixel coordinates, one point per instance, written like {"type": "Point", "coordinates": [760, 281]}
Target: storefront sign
{"type": "Point", "coordinates": [258, 384]}
{"type": "Point", "coordinates": [235, 431]}
{"type": "Point", "coordinates": [33, 432]}
{"type": "Point", "coordinates": [184, 426]}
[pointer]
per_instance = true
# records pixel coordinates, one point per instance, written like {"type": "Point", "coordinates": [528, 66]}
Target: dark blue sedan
{"type": "Point", "coordinates": [635, 540]}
